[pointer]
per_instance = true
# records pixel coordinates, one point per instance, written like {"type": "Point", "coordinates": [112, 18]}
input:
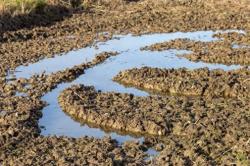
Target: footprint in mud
{"type": "Point", "coordinates": [56, 122]}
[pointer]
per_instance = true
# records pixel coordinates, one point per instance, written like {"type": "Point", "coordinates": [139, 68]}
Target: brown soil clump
{"type": "Point", "coordinates": [18, 120]}
{"type": "Point", "coordinates": [220, 51]}
{"type": "Point", "coordinates": [203, 128]}
{"type": "Point", "coordinates": [198, 82]}
{"type": "Point", "coordinates": [102, 109]}
{"type": "Point", "coordinates": [235, 38]}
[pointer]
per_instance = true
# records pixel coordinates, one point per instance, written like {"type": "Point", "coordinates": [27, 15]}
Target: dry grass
{"type": "Point", "coordinates": [15, 7]}
{"type": "Point", "coordinates": [20, 6]}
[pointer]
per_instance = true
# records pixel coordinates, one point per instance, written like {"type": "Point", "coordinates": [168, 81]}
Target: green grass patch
{"type": "Point", "coordinates": [242, 159]}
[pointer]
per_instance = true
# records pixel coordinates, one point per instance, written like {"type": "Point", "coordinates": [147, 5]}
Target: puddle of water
{"type": "Point", "coordinates": [21, 94]}
{"type": "Point", "coordinates": [152, 153]}
{"type": "Point", "coordinates": [55, 64]}
{"type": "Point", "coordinates": [120, 43]}
{"type": "Point", "coordinates": [56, 122]}
{"type": "Point", "coordinates": [236, 46]}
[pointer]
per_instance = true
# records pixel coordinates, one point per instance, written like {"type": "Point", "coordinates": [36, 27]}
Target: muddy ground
{"type": "Point", "coordinates": [216, 131]}
{"type": "Point", "coordinates": [203, 128]}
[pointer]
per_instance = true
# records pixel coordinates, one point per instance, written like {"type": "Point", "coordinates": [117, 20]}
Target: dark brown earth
{"type": "Point", "coordinates": [203, 128]}
{"type": "Point", "coordinates": [198, 82]}
{"type": "Point", "coordinates": [19, 121]}
{"type": "Point", "coordinates": [236, 38]}
{"type": "Point", "coordinates": [82, 151]}
{"type": "Point", "coordinates": [23, 40]}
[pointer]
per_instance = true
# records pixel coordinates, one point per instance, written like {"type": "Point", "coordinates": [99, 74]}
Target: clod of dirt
{"type": "Point", "coordinates": [198, 82]}
{"type": "Point", "coordinates": [18, 120]}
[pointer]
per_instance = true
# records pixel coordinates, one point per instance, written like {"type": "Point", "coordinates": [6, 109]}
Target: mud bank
{"type": "Point", "coordinates": [208, 126]}
{"type": "Point", "coordinates": [221, 51]}
{"type": "Point", "coordinates": [198, 82]}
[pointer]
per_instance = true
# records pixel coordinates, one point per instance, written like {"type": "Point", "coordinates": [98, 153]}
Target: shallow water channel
{"type": "Point", "coordinates": [56, 122]}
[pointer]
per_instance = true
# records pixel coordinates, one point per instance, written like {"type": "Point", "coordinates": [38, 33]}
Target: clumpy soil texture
{"type": "Point", "coordinates": [224, 51]}
{"type": "Point", "coordinates": [203, 128]}
{"type": "Point", "coordinates": [82, 151]}
{"type": "Point", "coordinates": [18, 120]}
{"type": "Point", "coordinates": [198, 82]}
{"type": "Point", "coordinates": [187, 131]}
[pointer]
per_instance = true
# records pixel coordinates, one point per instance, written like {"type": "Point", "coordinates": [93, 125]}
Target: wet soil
{"type": "Point", "coordinates": [197, 82]}
{"type": "Point", "coordinates": [221, 51]}
{"type": "Point", "coordinates": [203, 128]}
{"type": "Point", "coordinates": [20, 137]}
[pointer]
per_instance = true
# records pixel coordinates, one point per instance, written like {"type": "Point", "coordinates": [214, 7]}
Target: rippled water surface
{"type": "Point", "coordinates": [56, 122]}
